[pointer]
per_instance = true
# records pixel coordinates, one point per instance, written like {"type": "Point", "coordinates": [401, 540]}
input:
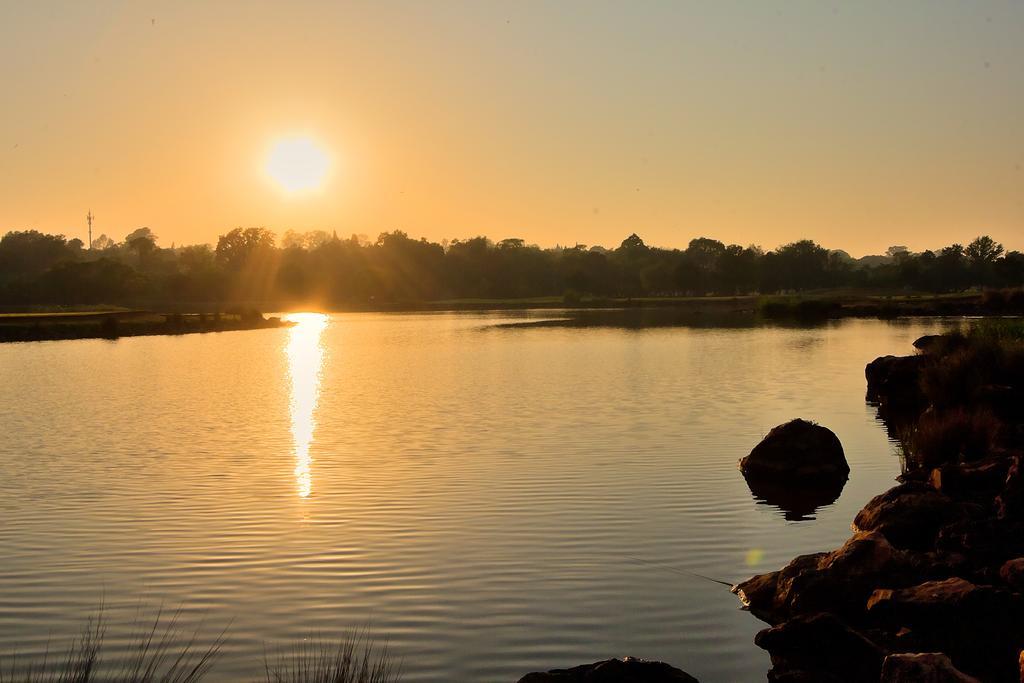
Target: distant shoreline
{"type": "Point", "coordinates": [115, 324]}
{"type": "Point", "coordinates": [809, 306]}
{"type": "Point", "coordinates": [818, 307]}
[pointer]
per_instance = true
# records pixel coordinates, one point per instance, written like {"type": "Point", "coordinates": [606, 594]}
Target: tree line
{"type": "Point", "coordinates": [252, 265]}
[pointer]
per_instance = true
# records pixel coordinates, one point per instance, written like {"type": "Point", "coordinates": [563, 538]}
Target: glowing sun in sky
{"type": "Point", "coordinates": [297, 164]}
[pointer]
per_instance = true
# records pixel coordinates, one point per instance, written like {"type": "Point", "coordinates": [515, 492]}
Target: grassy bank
{"type": "Point", "coordinates": [113, 324]}
{"type": "Point", "coordinates": [973, 384]}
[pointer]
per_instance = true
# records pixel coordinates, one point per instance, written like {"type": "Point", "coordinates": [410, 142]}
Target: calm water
{"type": "Point", "coordinates": [492, 500]}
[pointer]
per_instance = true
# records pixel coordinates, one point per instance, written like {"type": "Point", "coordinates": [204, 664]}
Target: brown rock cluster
{"type": "Point", "coordinates": [930, 587]}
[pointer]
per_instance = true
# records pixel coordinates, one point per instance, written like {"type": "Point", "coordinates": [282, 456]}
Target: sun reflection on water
{"type": "Point", "coordinates": [305, 358]}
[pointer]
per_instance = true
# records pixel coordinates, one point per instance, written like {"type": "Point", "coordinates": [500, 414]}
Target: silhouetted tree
{"type": "Point", "coordinates": [103, 281]}
{"type": "Point", "coordinates": [236, 247]}
{"type": "Point", "coordinates": [1010, 269]}
{"type": "Point", "coordinates": [143, 243]}
{"type": "Point", "coordinates": [103, 243]}
{"type": "Point", "coordinates": [802, 265]}
{"type": "Point", "coordinates": [632, 245]}
{"type": "Point", "coordinates": [701, 265]}
{"type": "Point", "coordinates": [952, 268]}
{"type": "Point", "coordinates": [738, 269]}
{"type": "Point", "coordinates": [29, 253]}
{"type": "Point", "coordinates": [982, 253]}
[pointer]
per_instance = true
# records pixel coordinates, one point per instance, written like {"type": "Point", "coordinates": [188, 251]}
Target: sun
{"type": "Point", "coordinates": [297, 164]}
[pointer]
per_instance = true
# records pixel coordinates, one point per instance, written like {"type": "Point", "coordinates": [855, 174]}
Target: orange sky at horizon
{"type": "Point", "coordinates": [857, 125]}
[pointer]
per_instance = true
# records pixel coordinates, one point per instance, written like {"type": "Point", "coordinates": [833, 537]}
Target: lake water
{"type": "Point", "coordinates": [490, 500]}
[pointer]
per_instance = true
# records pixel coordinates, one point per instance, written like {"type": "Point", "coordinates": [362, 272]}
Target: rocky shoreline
{"type": "Point", "coordinates": [930, 585]}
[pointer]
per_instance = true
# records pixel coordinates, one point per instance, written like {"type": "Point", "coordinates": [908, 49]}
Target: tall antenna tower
{"type": "Point", "coordinates": [89, 218]}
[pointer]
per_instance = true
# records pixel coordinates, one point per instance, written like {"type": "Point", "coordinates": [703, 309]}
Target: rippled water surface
{"type": "Point", "coordinates": [489, 499]}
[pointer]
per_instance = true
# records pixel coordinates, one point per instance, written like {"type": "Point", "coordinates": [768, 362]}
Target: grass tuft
{"type": "Point", "coordinates": [953, 436]}
{"type": "Point", "coordinates": [353, 660]}
{"type": "Point", "coordinates": [966, 368]}
{"type": "Point", "coordinates": [155, 656]}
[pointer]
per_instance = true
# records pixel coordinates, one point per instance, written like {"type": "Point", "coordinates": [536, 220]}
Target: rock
{"type": "Point", "coordinates": [934, 566]}
{"type": "Point", "coordinates": [820, 647]}
{"type": "Point", "coordinates": [926, 667]}
{"type": "Point", "coordinates": [1012, 572]}
{"type": "Point", "coordinates": [845, 577]}
{"type": "Point", "coordinates": [941, 600]}
{"type": "Point", "coordinates": [864, 555]}
{"type": "Point", "coordinates": [893, 382]}
{"type": "Point", "coordinates": [989, 541]}
{"type": "Point", "coordinates": [928, 597]}
{"type": "Point", "coordinates": [842, 580]}
{"type": "Point", "coordinates": [980, 627]}
{"type": "Point", "coordinates": [909, 515]}
{"type": "Point", "coordinates": [940, 344]}
{"type": "Point", "coordinates": [839, 581]}
{"type": "Point", "coordinates": [1010, 502]}
{"type": "Point", "coordinates": [929, 342]}
{"type": "Point", "coordinates": [767, 596]}
{"type": "Point", "coordinates": [798, 450]}
{"type": "Point", "coordinates": [626, 670]}
{"type": "Point", "coordinates": [757, 594]}
{"type": "Point", "coordinates": [979, 481]}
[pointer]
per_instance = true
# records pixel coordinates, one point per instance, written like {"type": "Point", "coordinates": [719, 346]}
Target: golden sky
{"type": "Point", "coordinates": [860, 125]}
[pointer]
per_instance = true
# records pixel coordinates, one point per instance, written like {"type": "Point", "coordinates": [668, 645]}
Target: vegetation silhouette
{"type": "Point", "coordinates": [974, 385]}
{"type": "Point", "coordinates": [251, 265]}
{"type": "Point", "coordinates": [162, 652]}
{"type": "Point", "coordinates": [314, 660]}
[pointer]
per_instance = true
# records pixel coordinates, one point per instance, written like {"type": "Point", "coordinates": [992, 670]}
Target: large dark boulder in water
{"type": "Point", "coordinates": [799, 451]}
{"type": "Point", "coordinates": [627, 670]}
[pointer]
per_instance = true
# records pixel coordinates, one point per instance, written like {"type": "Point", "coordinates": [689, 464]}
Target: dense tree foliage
{"type": "Point", "coordinates": [247, 265]}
